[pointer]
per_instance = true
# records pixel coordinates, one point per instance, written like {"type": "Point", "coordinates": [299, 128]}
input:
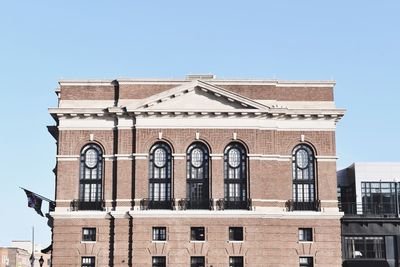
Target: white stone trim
{"type": "Point", "coordinates": [268, 200]}
{"type": "Point", "coordinates": [79, 214]}
{"type": "Point", "coordinates": [179, 154]}
{"type": "Point", "coordinates": [326, 158]}
{"type": "Point", "coordinates": [269, 157]}
{"type": "Point", "coordinates": [67, 157]}
{"type": "Point", "coordinates": [124, 156]}
{"type": "Point", "coordinates": [64, 200]}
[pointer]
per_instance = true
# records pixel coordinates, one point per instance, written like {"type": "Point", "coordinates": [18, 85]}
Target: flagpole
{"type": "Point", "coordinates": [33, 246]}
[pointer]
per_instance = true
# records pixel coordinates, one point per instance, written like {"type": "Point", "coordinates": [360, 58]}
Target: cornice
{"type": "Point", "coordinates": [216, 81]}
{"type": "Point", "coordinates": [274, 113]}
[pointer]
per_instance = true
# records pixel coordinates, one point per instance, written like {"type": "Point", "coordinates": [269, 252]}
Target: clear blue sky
{"type": "Point", "coordinates": [356, 43]}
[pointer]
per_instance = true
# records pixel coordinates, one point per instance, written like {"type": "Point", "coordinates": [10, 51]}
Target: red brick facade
{"type": "Point", "coordinates": [123, 228]}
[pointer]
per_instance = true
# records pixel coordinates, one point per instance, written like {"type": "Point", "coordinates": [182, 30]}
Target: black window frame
{"type": "Point", "coordinates": [91, 236]}
{"type": "Point", "coordinates": [309, 263]}
{"type": "Point", "coordinates": [91, 178]}
{"type": "Point", "coordinates": [236, 233]}
{"type": "Point", "coordinates": [365, 253]}
{"type": "Point", "coordinates": [161, 261]}
{"type": "Point", "coordinates": [197, 261]}
{"type": "Point", "coordinates": [303, 177]}
{"type": "Point", "coordinates": [198, 233]}
{"type": "Point", "coordinates": [197, 177]}
{"type": "Point", "coordinates": [236, 261]}
{"type": "Point", "coordinates": [159, 233]}
{"type": "Point", "coordinates": [306, 234]}
{"type": "Point", "coordinates": [160, 176]}
{"type": "Point", "coordinates": [380, 197]}
{"type": "Point", "coordinates": [92, 262]}
{"type": "Point", "coordinates": [235, 176]}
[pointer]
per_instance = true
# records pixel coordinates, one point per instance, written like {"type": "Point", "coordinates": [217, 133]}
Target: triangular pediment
{"type": "Point", "coordinates": [199, 96]}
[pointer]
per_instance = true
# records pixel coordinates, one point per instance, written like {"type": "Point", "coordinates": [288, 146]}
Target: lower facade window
{"type": "Point", "coordinates": [158, 262]}
{"type": "Point", "coordinates": [197, 262]}
{"type": "Point", "coordinates": [88, 261]}
{"type": "Point", "coordinates": [305, 234]}
{"type": "Point", "coordinates": [235, 233]}
{"type": "Point", "coordinates": [364, 247]}
{"type": "Point", "coordinates": [236, 262]}
{"type": "Point", "coordinates": [89, 234]}
{"type": "Point", "coordinates": [159, 233]}
{"type": "Point", "coordinates": [306, 261]}
{"type": "Point", "coordinates": [197, 234]}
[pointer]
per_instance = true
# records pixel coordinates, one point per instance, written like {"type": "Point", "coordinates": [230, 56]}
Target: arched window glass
{"type": "Point", "coordinates": [160, 172]}
{"type": "Point", "coordinates": [235, 173]}
{"type": "Point", "coordinates": [91, 175]}
{"type": "Point", "coordinates": [303, 166]}
{"type": "Point", "coordinates": [197, 172]}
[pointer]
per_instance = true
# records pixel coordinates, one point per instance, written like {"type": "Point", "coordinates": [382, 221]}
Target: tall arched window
{"type": "Point", "coordinates": [91, 177]}
{"type": "Point", "coordinates": [303, 164]}
{"type": "Point", "coordinates": [197, 172]}
{"type": "Point", "coordinates": [235, 176]}
{"type": "Point", "coordinates": [160, 164]}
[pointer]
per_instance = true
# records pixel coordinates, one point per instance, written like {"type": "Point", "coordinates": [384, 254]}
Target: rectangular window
{"type": "Point", "coordinates": [197, 234]}
{"type": "Point", "coordinates": [364, 247]}
{"type": "Point", "coordinates": [88, 234]}
{"type": "Point", "coordinates": [305, 234]}
{"type": "Point", "coordinates": [379, 197]}
{"type": "Point", "coordinates": [236, 262]}
{"type": "Point", "coordinates": [88, 262]}
{"type": "Point", "coordinates": [158, 262]}
{"type": "Point", "coordinates": [197, 262]}
{"type": "Point", "coordinates": [235, 233]}
{"type": "Point", "coordinates": [159, 233]}
{"type": "Point", "coordinates": [306, 261]}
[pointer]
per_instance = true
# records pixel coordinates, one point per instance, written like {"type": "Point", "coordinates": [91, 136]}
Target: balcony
{"type": "Point", "coordinates": [292, 205]}
{"type": "Point", "coordinates": [77, 204]}
{"type": "Point", "coordinates": [234, 204]}
{"type": "Point", "coordinates": [369, 209]}
{"type": "Point", "coordinates": [149, 204]}
{"type": "Point", "coordinates": [195, 204]}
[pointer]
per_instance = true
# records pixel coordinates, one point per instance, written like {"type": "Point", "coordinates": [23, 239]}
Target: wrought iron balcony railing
{"type": "Point", "coordinates": [292, 205]}
{"type": "Point", "coordinates": [149, 204]}
{"type": "Point", "coordinates": [77, 204]}
{"type": "Point", "coordinates": [234, 204]}
{"type": "Point", "coordinates": [187, 203]}
{"type": "Point", "coordinates": [369, 209]}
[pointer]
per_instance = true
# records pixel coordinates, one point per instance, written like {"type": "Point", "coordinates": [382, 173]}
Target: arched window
{"type": "Point", "coordinates": [91, 177]}
{"type": "Point", "coordinates": [235, 176]}
{"type": "Point", "coordinates": [197, 172]}
{"type": "Point", "coordinates": [160, 164]}
{"type": "Point", "coordinates": [303, 164]}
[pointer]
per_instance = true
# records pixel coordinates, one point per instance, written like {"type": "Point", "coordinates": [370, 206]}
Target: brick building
{"type": "Point", "coordinates": [196, 172]}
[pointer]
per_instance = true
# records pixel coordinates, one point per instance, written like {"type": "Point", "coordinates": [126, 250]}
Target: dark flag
{"type": "Point", "coordinates": [34, 201]}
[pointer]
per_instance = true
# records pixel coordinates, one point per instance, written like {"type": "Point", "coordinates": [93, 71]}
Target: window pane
{"type": "Point", "coordinates": [159, 233]}
{"type": "Point", "coordinates": [364, 247]}
{"type": "Point", "coordinates": [88, 261]}
{"type": "Point", "coordinates": [89, 234]}
{"type": "Point", "coordinates": [235, 261]}
{"type": "Point", "coordinates": [197, 234]}
{"type": "Point", "coordinates": [236, 233]}
{"type": "Point", "coordinates": [305, 234]}
{"type": "Point", "coordinates": [158, 262]}
{"type": "Point", "coordinates": [197, 261]}
{"type": "Point", "coordinates": [306, 262]}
